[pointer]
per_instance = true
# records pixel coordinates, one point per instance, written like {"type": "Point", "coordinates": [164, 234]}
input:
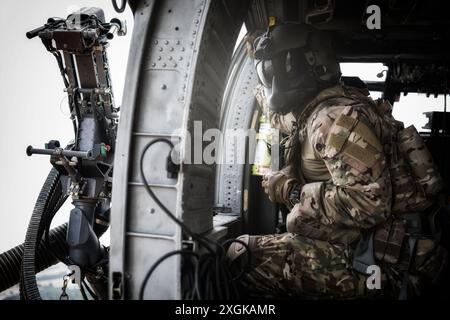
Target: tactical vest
{"type": "Point", "coordinates": [415, 182]}
{"type": "Point", "coordinates": [410, 233]}
{"type": "Point", "coordinates": [406, 246]}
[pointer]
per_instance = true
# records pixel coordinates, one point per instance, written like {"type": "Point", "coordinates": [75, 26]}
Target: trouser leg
{"type": "Point", "coordinates": [286, 265]}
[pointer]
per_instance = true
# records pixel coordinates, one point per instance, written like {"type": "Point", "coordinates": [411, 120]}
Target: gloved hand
{"type": "Point", "coordinates": [279, 185]}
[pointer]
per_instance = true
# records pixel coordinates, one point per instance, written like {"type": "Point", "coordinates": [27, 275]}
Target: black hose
{"type": "Point", "coordinates": [47, 199]}
{"type": "Point", "coordinates": [122, 6]}
{"type": "Point", "coordinates": [22, 262]}
{"type": "Point", "coordinates": [46, 256]}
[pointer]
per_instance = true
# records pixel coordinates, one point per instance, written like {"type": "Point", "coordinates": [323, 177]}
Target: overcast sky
{"type": "Point", "coordinates": [34, 107]}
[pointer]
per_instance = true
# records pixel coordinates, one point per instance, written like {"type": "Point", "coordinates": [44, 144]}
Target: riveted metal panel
{"type": "Point", "coordinates": [161, 103]}
{"type": "Point", "coordinates": [147, 216]}
{"type": "Point", "coordinates": [179, 78]}
{"type": "Point", "coordinates": [237, 112]}
{"type": "Point", "coordinates": [155, 159]}
{"type": "Point", "coordinates": [145, 249]}
{"type": "Point", "coordinates": [143, 11]}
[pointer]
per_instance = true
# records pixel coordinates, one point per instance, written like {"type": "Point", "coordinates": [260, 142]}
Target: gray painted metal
{"type": "Point", "coordinates": [237, 112]}
{"type": "Point", "coordinates": [176, 73]}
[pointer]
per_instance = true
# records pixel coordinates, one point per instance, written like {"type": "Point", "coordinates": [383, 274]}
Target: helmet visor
{"type": "Point", "coordinates": [289, 67]}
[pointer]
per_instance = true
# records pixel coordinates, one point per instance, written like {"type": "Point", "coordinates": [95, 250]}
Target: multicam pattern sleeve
{"type": "Point", "coordinates": [358, 196]}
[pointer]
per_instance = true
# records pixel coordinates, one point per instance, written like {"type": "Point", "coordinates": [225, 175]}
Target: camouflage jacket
{"type": "Point", "coordinates": [348, 150]}
{"type": "Point", "coordinates": [359, 170]}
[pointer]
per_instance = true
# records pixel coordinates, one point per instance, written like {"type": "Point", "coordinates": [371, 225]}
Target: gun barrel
{"type": "Point", "coordinates": [33, 33]}
{"type": "Point", "coordinates": [59, 151]}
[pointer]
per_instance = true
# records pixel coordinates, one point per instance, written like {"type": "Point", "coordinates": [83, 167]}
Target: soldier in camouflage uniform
{"type": "Point", "coordinates": [347, 179]}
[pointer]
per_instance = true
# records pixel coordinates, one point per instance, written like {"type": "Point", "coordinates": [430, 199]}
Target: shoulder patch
{"type": "Point", "coordinates": [346, 122]}
{"type": "Point", "coordinates": [354, 142]}
{"type": "Point", "coordinates": [339, 133]}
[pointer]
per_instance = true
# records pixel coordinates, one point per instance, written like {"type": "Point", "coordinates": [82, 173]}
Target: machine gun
{"type": "Point", "coordinates": [84, 167]}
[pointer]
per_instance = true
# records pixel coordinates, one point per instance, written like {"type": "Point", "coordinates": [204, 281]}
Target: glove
{"type": "Point", "coordinates": [279, 185]}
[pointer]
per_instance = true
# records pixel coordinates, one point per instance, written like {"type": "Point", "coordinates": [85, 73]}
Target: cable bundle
{"type": "Point", "coordinates": [208, 273]}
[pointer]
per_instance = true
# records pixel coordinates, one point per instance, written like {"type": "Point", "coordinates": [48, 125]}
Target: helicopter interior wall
{"type": "Point", "coordinates": [179, 93]}
{"type": "Point", "coordinates": [176, 76]}
{"type": "Point", "coordinates": [239, 194]}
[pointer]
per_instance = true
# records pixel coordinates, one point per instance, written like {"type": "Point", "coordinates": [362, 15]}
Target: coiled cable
{"type": "Point", "coordinates": [212, 276]}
